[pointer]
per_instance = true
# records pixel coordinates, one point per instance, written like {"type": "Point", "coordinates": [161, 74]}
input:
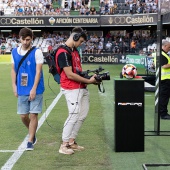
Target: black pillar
{"type": "Point", "coordinates": [129, 115]}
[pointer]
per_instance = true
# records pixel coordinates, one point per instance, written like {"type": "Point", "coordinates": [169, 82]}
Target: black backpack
{"type": "Point", "coordinates": [50, 59]}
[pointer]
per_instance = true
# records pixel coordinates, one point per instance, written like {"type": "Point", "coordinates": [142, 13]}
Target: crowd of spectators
{"type": "Point", "coordinates": [127, 6]}
{"type": "Point", "coordinates": [115, 43]}
{"type": "Point", "coordinates": [7, 43]}
{"type": "Point", "coordinates": [118, 44]}
{"type": "Point", "coordinates": [29, 7]}
{"type": "Point", "coordinates": [41, 7]}
{"type": "Point", "coordinates": [46, 7]}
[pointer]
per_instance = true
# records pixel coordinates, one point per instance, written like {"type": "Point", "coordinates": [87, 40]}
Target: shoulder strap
{"type": "Point", "coordinates": [66, 48]}
{"type": "Point", "coordinates": [99, 87]}
{"type": "Point", "coordinates": [21, 61]}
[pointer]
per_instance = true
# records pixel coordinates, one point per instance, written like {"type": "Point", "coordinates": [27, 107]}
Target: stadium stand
{"type": "Point", "coordinates": [114, 42]}
{"type": "Point", "coordinates": [119, 43]}
{"type": "Point", "coordinates": [67, 7]}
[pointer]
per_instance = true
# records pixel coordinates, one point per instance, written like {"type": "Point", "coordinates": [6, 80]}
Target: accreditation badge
{"type": "Point", "coordinates": [24, 79]}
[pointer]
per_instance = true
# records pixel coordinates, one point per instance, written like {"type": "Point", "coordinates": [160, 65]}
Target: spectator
{"type": "Point", "coordinates": [66, 4]}
{"type": "Point", "coordinates": [15, 3]}
{"type": "Point", "coordinates": [20, 11]}
{"type": "Point", "coordinates": [86, 50]}
{"type": "Point", "coordinates": [66, 11]}
{"type": "Point", "coordinates": [78, 5]}
{"type": "Point", "coordinates": [13, 44]}
{"type": "Point", "coordinates": [102, 10]}
{"type": "Point", "coordinates": [87, 11]}
{"type": "Point", "coordinates": [58, 12]}
{"type": "Point", "coordinates": [133, 46]}
{"type": "Point", "coordinates": [100, 47]}
{"type": "Point", "coordinates": [106, 9]}
{"type": "Point", "coordinates": [72, 5]}
{"type": "Point", "coordinates": [92, 10]}
{"type": "Point", "coordinates": [83, 2]}
{"type": "Point", "coordinates": [116, 48]}
{"type": "Point", "coordinates": [131, 8]}
{"type": "Point", "coordinates": [48, 5]}
{"type": "Point", "coordinates": [125, 47]}
{"type": "Point", "coordinates": [86, 2]}
{"type": "Point", "coordinates": [3, 49]}
{"type": "Point", "coordinates": [25, 10]}
{"type": "Point", "coordinates": [91, 48]}
{"type": "Point", "coordinates": [52, 11]}
{"type": "Point", "coordinates": [9, 47]}
{"type": "Point", "coordinates": [82, 10]}
{"type": "Point", "coordinates": [114, 8]}
{"type": "Point", "coordinates": [108, 36]}
{"type": "Point", "coordinates": [102, 4]}
{"type": "Point", "coordinates": [108, 46]}
{"type": "Point", "coordinates": [101, 39]}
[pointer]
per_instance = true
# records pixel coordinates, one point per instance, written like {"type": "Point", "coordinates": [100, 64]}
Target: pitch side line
{"type": "Point", "coordinates": [17, 153]}
{"type": "Point", "coordinates": [4, 151]}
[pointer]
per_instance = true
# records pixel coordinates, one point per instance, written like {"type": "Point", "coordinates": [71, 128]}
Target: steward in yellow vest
{"type": "Point", "coordinates": [165, 80]}
{"type": "Point", "coordinates": [165, 71]}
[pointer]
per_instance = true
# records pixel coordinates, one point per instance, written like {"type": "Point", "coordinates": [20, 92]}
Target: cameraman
{"type": "Point", "coordinates": [74, 87]}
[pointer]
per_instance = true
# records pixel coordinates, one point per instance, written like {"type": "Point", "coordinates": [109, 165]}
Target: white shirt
{"type": "Point", "coordinates": [39, 58]}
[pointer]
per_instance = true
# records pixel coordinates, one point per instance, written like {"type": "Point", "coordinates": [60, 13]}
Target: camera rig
{"type": "Point", "coordinates": [99, 76]}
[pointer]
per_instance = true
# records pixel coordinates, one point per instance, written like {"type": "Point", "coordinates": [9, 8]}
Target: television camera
{"type": "Point", "coordinates": [99, 77]}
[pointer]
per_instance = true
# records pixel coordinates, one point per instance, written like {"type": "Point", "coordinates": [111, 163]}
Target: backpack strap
{"type": "Point", "coordinates": [65, 47]}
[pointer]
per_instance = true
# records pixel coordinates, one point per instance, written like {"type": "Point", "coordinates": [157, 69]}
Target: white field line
{"type": "Point", "coordinates": [17, 153]}
{"type": "Point", "coordinates": [8, 151]}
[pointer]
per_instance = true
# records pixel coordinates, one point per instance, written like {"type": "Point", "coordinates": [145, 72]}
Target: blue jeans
{"type": "Point", "coordinates": [25, 106]}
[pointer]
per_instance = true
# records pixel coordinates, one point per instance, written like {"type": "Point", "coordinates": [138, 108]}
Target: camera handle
{"type": "Point", "coordinates": [99, 87]}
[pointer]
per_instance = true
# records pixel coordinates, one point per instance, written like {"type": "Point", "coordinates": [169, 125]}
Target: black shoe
{"type": "Point", "coordinates": [167, 116]}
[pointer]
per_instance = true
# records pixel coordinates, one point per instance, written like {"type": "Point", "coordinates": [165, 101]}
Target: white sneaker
{"type": "Point", "coordinates": [65, 149]}
{"type": "Point", "coordinates": [76, 147]}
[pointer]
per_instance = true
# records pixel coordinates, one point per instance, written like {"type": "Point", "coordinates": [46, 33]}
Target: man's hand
{"type": "Point", "coordinates": [15, 94]}
{"type": "Point", "coordinates": [93, 80]}
{"type": "Point", "coordinates": [32, 94]}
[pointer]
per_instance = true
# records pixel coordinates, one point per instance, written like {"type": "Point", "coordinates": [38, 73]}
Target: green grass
{"type": "Point", "coordinates": [96, 134]}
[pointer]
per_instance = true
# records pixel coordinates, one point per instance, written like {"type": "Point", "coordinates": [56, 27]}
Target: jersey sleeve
{"type": "Point", "coordinates": [39, 58]}
{"type": "Point", "coordinates": [64, 60]}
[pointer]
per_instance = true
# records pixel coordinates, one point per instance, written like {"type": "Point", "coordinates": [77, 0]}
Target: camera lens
{"type": "Point", "coordinates": [106, 76]}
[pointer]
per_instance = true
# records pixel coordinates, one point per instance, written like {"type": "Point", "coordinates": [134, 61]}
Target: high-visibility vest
{"type": "Point", "coordinates": [165, 72]}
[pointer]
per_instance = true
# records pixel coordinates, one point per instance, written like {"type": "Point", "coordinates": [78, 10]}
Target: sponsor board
{"type": "Point", "coordinates": [129, 20]}
{"type": "Point", "coordinates": [97, 20]}
{"type": "Point", "coordinates": [49, 21]}
{"type": "Point", "coordinates": [104, 58]}
{"type": "Point", "coordinates": [137, 60]}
